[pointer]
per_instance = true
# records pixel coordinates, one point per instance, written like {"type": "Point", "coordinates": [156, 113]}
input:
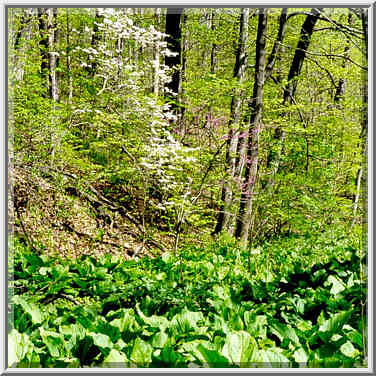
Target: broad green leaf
{"type": "Point", "coordinates": [212, 357]}
{"type": "Point", "coordinates": [19, 346]}
{"type": "Point", "coordinates": [54, 342]}
{"type": "Point", "coordinates": [356, 338]}
{"type": "Point", "coordinates": [284, 331]}
{"type": "Point", "coordinates": [335, 337]}
{"type": "Point", "coordinates": [167, 257]}
{"type": "Point", "coordinates": [300, 356]}
{"type": "Point", "coordinates": [238, 347]}
{"type": "Point", "coordinates": [192, 348]}
{"type": "Point", "coordinates": [141, 352]}
{"type": "Point", "coordinates": [337, 285]}
{"type": "Point", "coordinates": [154, 321]}
{"type": "Point", "coordinates": [271, 358]}
{"type": "Point", "coordinates": [349, 350]}
{"type": "Point", "coordinates": [101, 340]}
{"type": "Point", "coordinates": [115, 359]}
{"type": "Point", "coordinates": [220, 324]}
{"type": "Point", "coordinates": [256, 325]}
{"type": "Point", "coordinates": [170, 357]}
{"type": "Point", "coordinates": [335, 322]}
{"type": "Point", "coordinates": [43, 270]}
{"type": "Point", "coordinates": [127, 322]}
{"type": "Point", "coordinates": [29, 307]}
{"type": "Point", "coordinates": [159, 339]}
{"type": "Point", "coordinates": [304, 325]}
{"type": "Point", "coordinates": [185, 321]}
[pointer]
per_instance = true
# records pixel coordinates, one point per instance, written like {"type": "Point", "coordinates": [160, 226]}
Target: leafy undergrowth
{"type": "Point", "coordinates": [201, 308]}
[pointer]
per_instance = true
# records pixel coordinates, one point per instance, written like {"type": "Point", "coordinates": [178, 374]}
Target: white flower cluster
{"type": "Point", "coordinates": [166, 157]}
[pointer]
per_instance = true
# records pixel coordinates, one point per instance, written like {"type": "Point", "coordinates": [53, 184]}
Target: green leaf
{"type": "Point", "coordinates": [115, 359]}
{"type": "Point", "coordinates": [349, 350]}
{"type": "Point", "coordinates": [212, 357]}
{"type": "Point", "coordinates": [335, 337]}
{"type": "Point", "coordinates": [334, 323]}
{"type": "Point", "coordinates": [141, 352]}
{"type": "Point", "coordinates": [185, 321]}
{"type": "Point", "coordinates": [270, 358]}
{"type": "Point", "coordinates": [19, 346]}
{"type": "Point", "coordinates": [29, 307]}
{"type": "Point", "coordinates": [238, 347]}
{"type": "Point", "coordinates": [127, 323]}
{"type": "Point", "coordinates": [54, 341]}
{"type": "Point", "coordinates": [300, 356]}
{"type": "Point", "coordinates": [101, 340]}
{"type": "Point", "coordinates": [159, 340]}
{"type": "Point", "coordinates": [337, 285]}
{"type": "Point", "coordinates": [285, 331]}
{"type": "Point", "coordinates": [154, 321]}
{"type": "Point", "coordinates": [167, 257]}
{"type": "Point", "coordinates": [256, 325]}
{"type": "Point", "coordinates": [356, 338]}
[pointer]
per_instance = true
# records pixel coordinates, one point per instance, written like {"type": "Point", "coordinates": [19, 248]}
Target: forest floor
{"type": "Point", "coordinates": [72, 223]}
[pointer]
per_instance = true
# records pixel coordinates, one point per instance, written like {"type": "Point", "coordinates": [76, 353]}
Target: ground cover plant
{"type": "Point", "coordinates": [203, 308]}
{"type": "Point", "coordinates": [187, 187]}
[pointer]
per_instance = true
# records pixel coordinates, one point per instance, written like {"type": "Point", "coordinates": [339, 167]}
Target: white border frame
{"type": "Point", "coordinates": [208, 3]}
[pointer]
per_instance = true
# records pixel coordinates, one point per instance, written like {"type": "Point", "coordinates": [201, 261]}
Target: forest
{"type": "Point", "coordinates": [187, 187]}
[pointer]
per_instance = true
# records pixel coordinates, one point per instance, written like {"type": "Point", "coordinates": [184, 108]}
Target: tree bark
{"type": "Point", "coordinates": [95, 41]}
{"type": "Point", "coordinates": [183, 73]}
{"type": "Point", "coordinates": [341, 87]}
{"type": "Point", "coordinates": [43, 46]}
{"type": "Point", "coordinates": [241, 61]}
{"type": "Point", "coordinates": [255, 110]}
{"type": "Point", "coordinates": [173, 31]}
{"type": "Point", "coordinates": [69, 68]}
{"type": "Point", "coordinates": [24, 32]}
{"type": "Point", "coordinates": [51, 27]}
{"type": "Point", "coordinates": [273, 57]}
{"type": "Point", "coordinates": [277, 44]}
{"type": "Point", "coordinates": [214, 45]}
{"type": "Point", "coordinates": [157, 16]}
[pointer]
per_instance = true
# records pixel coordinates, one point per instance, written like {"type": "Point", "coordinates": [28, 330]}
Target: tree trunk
{"type": "Point", "coordinates": [277, 44]}
{"type": "Point", "coordinates": [173, 31]}
{"type": "Point", "coordinates": [214, 45]}
{"type": "Point", "coordinates": [255, 110]}
{"type": "Point", "coordinates": [156, 51]}
{"type": "Point", "coordinates": [273, 57]}
{"type": "Point", "coordinates": [43, 45]}
{"type": "Point", "coordinates": [20, 48]}
{"type": "Point", "coordinates": [241, 61]}
{"type": "Point", "coordinates": [94, 42]}
{"type": "Point", "coordinates": [183, 73]}
{"type": "Point", "coordinates": [69, 68]}
{"type": "Point", "coordinates": [341, 87]}
{"type": "Point", "coordinates": [51, 27]}
{"type": "Point", "coordinates": [274, 156]}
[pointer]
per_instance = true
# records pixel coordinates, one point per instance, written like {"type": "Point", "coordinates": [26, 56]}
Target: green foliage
{"type": "Point", "coordinates": [139, 314]}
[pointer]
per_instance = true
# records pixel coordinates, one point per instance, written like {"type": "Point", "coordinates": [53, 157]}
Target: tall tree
{"type": "Point", "coordinates": [47, 30]}
{"type": "Point", "coordinates": [361, 177]}
{"type": "Point", "coordinates": [43, 46]}
{"type": "Point", "coordinates": [156, 51]}
{"type": "Point", "coordinates": [274, 156]}
{"type": "Point", "coordinates": [214, 45]}
{"type": "Point", "coordinates": [172, 61]}
{"type": "Point", "coordinates": [23, 35]}
{"type": "Point", "coordinates": [95, 38]}
{"type": "Point", "coordinates": [69, 61]}
{"type": "Point", "coordinates": [255, 109]}
{"type": "Point", "coordinates": [53, 55]}
{"type": "Point", "coordinates": [241, 62]}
